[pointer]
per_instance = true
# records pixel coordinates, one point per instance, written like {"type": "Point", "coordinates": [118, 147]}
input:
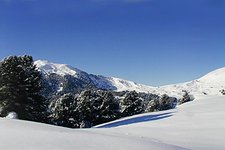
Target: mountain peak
{"type": "Point", "coordinates": [60, 69]}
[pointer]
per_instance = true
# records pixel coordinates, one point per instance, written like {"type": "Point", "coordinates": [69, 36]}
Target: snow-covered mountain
{"type": "Point", "coordinates": [210, 84]}
{"type": "Point", "coordinates": [61, 72]}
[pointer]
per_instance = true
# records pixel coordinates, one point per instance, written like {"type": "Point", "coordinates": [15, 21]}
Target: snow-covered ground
{"type": "Point", "coordinates": [197, 125]}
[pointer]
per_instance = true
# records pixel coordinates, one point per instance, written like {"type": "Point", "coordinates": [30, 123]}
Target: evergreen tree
{"type": "Point", "coordinates": [63, 111]}
{"type": "Point", "coordinates": [87, 106]}
{"type": "Point", "coordinates": [166, 102]}
{"type": "Point", "coordinates": [20, 85]}
{"type": "Point", "coordinates": [96, 106]}
{"type": "Point", "coordinates": [185, 97]}
{"type": "Point", "coordinates": [131, 104]}
{"type": "Point", "coordinates": [109, 108]}
{"type": "Point", "coordinates": [153, 105]}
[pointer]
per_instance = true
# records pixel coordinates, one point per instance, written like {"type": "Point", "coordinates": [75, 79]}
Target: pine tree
{"type": "Point", "coordinates": [153, 105]}
{"type": "Point", "coordinates": [20, 85]}
{"type": "Point", "coordinates": [108, 109]}
{"type": "Point", "coordinates": [166, 102]}
{"type": "Point", "coordinates": [64, 111]}
{"type": "Point", "coordinates": [132, 104]}
{"type": "Point", "coordinates": [185, 97]}
{"type": "Point", "coordinates": [96, 107]}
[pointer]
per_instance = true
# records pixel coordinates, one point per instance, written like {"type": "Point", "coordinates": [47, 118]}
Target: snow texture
{"type": "Point", "coordinates": [60, 69]}
{"type": "Point", "coordinates": [12, 115]}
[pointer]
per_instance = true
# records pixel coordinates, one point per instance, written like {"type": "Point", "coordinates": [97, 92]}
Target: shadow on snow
{"type": "Point", "coordinates": [139, 119]}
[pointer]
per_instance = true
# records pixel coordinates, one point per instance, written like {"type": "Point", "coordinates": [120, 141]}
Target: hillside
{"type": "Point", "coordinates": [198, 125]}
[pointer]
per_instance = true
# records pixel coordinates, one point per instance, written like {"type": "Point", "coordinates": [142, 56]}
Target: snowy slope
{"type": "Point", "coordinates": [198, 125]}
{"type": "Point", "coordinates": [210, 84]}
{"type": "Point", "coordinates": [22, 135]}
{"type": "Point", "coordinates": [60, 69]}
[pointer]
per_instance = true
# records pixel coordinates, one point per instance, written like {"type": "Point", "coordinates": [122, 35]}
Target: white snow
{"type": "Point", "coordinates": [197, 125]}
{"type": "Point", "coordinates": [210, 84]}
{"type": "Point", "coordinates": [60, 69]}
{"type": "Point", "coordinates": [12, 115]}
{"type": "Point", "coordinates": [123, 85]}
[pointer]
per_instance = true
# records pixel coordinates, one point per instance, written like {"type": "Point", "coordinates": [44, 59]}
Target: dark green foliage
{"type": "Point", "coordinates": [153, 105]}
{"type": "Point", "coordinates": [97, 106]}
{"type": "Point", "coordinates": [163, 102]}
{"type": "Point", "coordinates": [50, 85]}
{"type": "Point", "coordinates": [84, 110]}
{"type": "Point", "coordinates": [93, 107]}
{"type": "Point", "coordinates": [166, 102]}
{"type": "Point", "coordinates": [20, 85]}
{"type": "Point", "coordinates": [185, 98]}
{"type": "Point", "coordinates": [63, 110]}
{"type": "Point", "coordinates": [222, 92]}
{"type": "Point", "coordinates": [131, 104]}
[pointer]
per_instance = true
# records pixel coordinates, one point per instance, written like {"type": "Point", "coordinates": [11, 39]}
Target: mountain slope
{"type": "Point", "coordinates": [61, 71]}
{"type": "Point", "coordinates": [210, 84]}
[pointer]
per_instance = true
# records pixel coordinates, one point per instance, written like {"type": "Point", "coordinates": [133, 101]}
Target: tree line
{"type": "Point", "coordinates": [22, 87]}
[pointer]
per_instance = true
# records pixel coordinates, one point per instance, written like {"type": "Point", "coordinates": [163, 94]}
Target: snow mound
{"type": "Point", "coordinates": [12, 115]}
{"type": "Point", "coordinates": [46, 137]}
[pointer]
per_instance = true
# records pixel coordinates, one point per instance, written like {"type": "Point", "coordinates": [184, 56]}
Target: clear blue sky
{"type": "Point", "coordinates": [155, 42]}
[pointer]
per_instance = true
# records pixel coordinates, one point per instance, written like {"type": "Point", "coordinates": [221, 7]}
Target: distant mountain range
{"type": "Point", "coordinates": [64, 78]}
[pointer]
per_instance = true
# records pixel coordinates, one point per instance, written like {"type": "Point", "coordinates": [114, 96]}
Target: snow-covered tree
{"type": "Point", "coordinates": [96, 106]}
{"type": "Point", "coordinates": [84, 110]}
{"type": "Point", "coordinates": [63, 111]}
{"type": "Point", "coordinates": [20, 85]}
{"type": "Point", "coordinates": [185, 97]}
{"type": "Point", "coordinates": [109, 108]}
{"type": "Point", "coordinates": [166, 102]}
{"type": "Point", "coordinates": [153, 105]}
{"type": "Point", "coordinates": [131, 104]}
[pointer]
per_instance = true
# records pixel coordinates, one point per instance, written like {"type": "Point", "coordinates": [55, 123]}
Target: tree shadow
{"type": "Point", "coordinates": [139, 119]}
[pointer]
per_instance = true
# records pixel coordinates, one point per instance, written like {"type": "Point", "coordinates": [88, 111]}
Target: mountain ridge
{"type": "Point", "coordinates": [209, 84]}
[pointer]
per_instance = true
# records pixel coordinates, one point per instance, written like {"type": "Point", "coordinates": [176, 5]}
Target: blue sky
{"type": "Point", "coordinates": [155, 42]}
